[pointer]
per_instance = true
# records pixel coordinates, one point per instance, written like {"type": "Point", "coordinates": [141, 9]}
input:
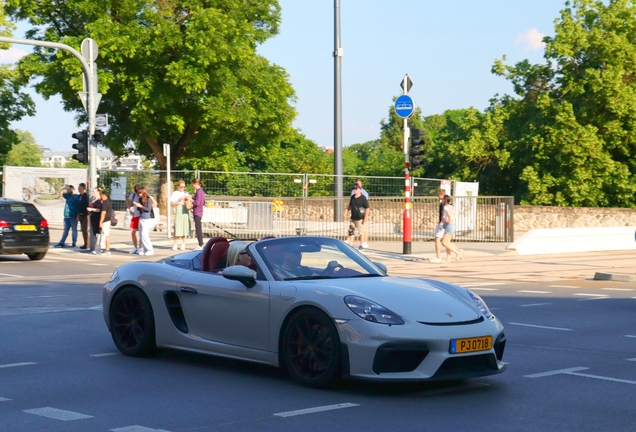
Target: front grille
{"type": "Point", "coordinates": [475, 321]}
{"type": "Point", "coordinates": [399, 357]}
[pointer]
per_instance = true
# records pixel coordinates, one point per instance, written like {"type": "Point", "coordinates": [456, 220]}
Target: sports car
{"type": "Point", "coordinates": [314, 306]}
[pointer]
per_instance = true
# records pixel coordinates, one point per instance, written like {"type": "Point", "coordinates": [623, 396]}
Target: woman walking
{"type": "Point", "coordinates": [145, 205]}
{"type": "Point", "coordinates": [178, 200]}
{"type": "Point", "coordinates": [197, 210]}
{"type": "Point", "coordinates": [448, 221]}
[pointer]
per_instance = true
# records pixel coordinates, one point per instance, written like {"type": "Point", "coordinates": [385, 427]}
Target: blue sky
{"type": "Point", "coordinates": [446, 47]}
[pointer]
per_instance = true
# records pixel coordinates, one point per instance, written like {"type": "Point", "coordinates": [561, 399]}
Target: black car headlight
{"type": "Point", "coordinates": [370, 311]}
{"type": "Point", "coordinates": [481, 304]}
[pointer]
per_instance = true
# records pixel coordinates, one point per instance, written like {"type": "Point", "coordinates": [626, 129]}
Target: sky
{"type": "Point", "coordinates": [446, 47]}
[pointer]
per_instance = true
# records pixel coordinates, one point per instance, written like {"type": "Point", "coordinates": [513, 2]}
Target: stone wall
{"type": "Point", "coordinates": [528, 217]}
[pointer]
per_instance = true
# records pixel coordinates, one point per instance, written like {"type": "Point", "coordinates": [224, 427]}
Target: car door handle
{"type": "Point", "coordinates": [188, 290]}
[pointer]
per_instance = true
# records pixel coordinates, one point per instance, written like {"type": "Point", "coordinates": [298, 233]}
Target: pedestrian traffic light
{"type": "Point", "coordinates": [98, 136]}
{"type": "Point", "coordinates": [417, 147]}
{"type": "Point", "coordinates": [81, 146]}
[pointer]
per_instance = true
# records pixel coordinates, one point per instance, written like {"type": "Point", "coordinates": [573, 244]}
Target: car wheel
{"type": "Point", "coordinates": [36, 256]}
{"type": "Point", "coordinates": [311, 348]}
{"type": "Point", "coordinates": [132, 322]}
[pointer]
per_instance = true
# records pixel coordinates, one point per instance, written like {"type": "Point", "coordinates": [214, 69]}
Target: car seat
{"type": "Point", "coordinates": [213, 252]}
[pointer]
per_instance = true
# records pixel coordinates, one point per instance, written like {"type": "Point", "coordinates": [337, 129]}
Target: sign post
{"type": "Point", "coordinates": [166, 153]}
{"type": "Point", "coordinates": [404, 108]}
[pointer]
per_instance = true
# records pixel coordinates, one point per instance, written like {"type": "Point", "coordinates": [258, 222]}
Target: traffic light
{"type": "Point", "coordinates": [81, 146]}
{"type": "Point", "coordinates": [417, 147]}
{"type": "Point", "coordinates": [98, 136]}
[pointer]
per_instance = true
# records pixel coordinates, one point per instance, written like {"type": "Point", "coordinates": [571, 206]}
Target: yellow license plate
{"type": "Point", "coordinates": [25, 227]}
{"type": "Point", "coordinates": [481, 343]}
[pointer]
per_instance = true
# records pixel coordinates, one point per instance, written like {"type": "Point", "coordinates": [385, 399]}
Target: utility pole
{"type": "Point", "coordinates": [337, 114]}
{"type": "Point", "coordinates": [91, 90]}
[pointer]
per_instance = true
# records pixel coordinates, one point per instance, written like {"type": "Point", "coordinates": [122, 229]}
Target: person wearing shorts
{"type": "Point", "coordinates": [104, 224]}
{"type": "Point", "coordinates": [448, 224]}
{"type": "Point", "coordinates": [359, 208]}
{"type": "Point", "coordinates": [134, 222]}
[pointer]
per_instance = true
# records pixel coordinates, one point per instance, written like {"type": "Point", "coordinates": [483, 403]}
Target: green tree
{"type": "Point", "coordinates": [186, 74]}
{"type": "Point", "coordinates": [26, 153]}
{"type": "Point", "coordinates": [572, 130]}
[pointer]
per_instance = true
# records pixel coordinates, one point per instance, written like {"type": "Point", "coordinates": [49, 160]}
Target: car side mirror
{"type": "Point", "coordinates": [240, 273]}
{"type": "Point", "coordinates": [380, 266]}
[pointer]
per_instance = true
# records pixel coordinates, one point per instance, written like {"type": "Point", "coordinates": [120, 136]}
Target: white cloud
{"type": "Point", "coordinates": [11, 55]}
{"type": "Point", "coordinates": [531, 40]}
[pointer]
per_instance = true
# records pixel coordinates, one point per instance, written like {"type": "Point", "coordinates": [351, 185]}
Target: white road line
{"type": "Point", "coordinates": [105, 354]}
{"type": "Point", "coordinates": [541, 327]}
{"type": "Point", "coordinates": [563, 286]}
{"type": "Point", "coordinates": [137, 428]}
{"type": "Point", "coordinates": [57, 414]}
{"type": "Point", "coordinates": [602, 378]}
{"type": "Point", "coordinates": [618, 289]}
{"type": "Point", "coordinates": [11, 275]}
{"type": "Point", "coordinates": [17, 364]}
{"type": "Point", "coordinates": [97, 264]}
{"type": "Point", "coordinates": [49, 261]}
{"type": "Point", "coordinates": [632, 359]}
{"type": "Point", "coordinates": [630, 336]}
{"type": "Point", "coordinates": [591, 295]}
{"type": "Point", "coordinates": [474, 284]}
{"type": "Point", "coordinates": [484, 289]}
{"type": "Point", "coordinates": [316, 409]}
{"type": "Point", "coordinates": [534, 304]}
{"type": "Point", "coordinates": [535, 292]}
{"type": "Point", "coordinates": [555, 372]}
{"type": "Point", "coordinates": [98, 307]}
{"type": "Point", "coordinates": [4, 399]}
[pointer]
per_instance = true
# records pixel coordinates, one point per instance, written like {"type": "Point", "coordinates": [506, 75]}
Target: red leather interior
{"type": "Point", "coordinates": [213, 259]}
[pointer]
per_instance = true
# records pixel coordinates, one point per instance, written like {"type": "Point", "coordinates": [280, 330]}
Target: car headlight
{"type": "Point", "coordinates": [370, 311]}
{"type": "Point", "coordinates": [481, 304]}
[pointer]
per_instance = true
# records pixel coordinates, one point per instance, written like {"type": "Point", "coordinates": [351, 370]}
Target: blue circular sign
{"type": "Point", "coordinates": [404, 106]}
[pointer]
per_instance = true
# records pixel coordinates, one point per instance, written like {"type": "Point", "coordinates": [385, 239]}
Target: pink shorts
{"type": "Point", "coordinates": [134, 223]}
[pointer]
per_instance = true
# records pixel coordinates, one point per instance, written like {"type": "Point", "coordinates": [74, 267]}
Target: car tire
{"type": "Point", "coordinates": [310, 348]}
{"type": "Point", "coordinates": [132, 323]}
{"type": "Point", "coordinates": [37, 256]}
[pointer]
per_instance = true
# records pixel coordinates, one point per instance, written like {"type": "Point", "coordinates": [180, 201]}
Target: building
{"type": "Point", "coordinates": [105, 160]}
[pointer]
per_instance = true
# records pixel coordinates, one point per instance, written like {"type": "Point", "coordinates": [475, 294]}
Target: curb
{"type": "Point", "coordinates": [615, 277]}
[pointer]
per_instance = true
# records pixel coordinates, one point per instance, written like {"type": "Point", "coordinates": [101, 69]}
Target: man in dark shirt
{"type": "Point", "coordinates": [82, 213]}
{"type": "Point", "coordinates": [104, 222]}
{"type": "Point", "coordinates": [359, 208]}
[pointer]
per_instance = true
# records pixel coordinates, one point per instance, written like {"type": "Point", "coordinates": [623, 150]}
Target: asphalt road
{"type": "Point", "coordinates": [571, 355]}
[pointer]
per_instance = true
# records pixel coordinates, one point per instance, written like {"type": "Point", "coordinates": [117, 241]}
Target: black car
{"type": "Point", "coordinates": [22, 229]}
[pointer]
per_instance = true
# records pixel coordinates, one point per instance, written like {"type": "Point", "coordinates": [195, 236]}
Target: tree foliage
{"type": "Point", "coordinates": [26, 153]}
{"type": "Point", "coordinates": [183, 73]}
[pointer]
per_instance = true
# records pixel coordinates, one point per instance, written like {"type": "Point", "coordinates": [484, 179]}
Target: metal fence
{"type": "Point", "coordinates": [240, 204]}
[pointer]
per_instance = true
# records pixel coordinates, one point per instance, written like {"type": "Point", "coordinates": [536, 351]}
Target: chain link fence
{"type": "Point", "coordinates": [240, 204]}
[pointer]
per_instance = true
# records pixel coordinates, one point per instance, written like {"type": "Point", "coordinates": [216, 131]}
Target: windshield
{"type": "Point", "coordinates": [303, 258]}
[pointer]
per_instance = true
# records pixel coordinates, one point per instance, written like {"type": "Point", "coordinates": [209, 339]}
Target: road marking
{"type": "Point", "coordinates": [618, 289]}
{"type": "Point", "coordinates": [535, 292]}
{"type": "Point", "coordinates": [4, 399]}
{"type": "Point", "coordinates": [105, 354]}
{"type": "Point", "coordinates": [49, 261]}
{"type": "Point", "coordinates": [97, 264]}
{"type": "Point", "coordinates": [541, 327]}
{"type": "Point", "coordinates": [563, 286]}
{"type": "Point", "coordinates": [17, 364]}
{"type": "Point", "coordinates": [57, 414]}
{"type": "Point", "coordinates": [316, 409]}
{"type": "Point", "coordinates": [602, 378]}
{"type": "Point", "coordinates": [555, 372]}
{"type": "Point", "coordinates": [11, 275]}
{"type": "Point", "coordinates": [534, 304]}
{"type": "Point", "coordinates": [137, 428]}
{"type": "Point", "coordinates": [630, 336]}
{"type": "Point", "coordinates": [475, 284]}
{"type": "Point", "coordinates": [633, 359]}
{"type": "Point", "coordinates": [484, 289]}
{"type": "Point", "coordinates": [591, 295]}
{"type": "Point", "coordinates": [98, 307]}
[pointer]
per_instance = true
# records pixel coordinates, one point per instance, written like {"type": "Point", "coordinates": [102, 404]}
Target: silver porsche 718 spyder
{"type": "Point", "coordinates": [312, 305]}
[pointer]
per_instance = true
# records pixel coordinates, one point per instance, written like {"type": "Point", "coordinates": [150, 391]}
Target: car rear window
{"type": "Point", "coordinates": [8, 211]}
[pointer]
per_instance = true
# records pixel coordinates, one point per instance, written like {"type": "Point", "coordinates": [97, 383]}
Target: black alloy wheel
{"type": "Point", "coordinates": [132, 322]}
{"type": "Point", "coordinates": [311, 348]}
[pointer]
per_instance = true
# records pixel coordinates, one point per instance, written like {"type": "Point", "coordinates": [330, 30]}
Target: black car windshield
{"type": "Point", "coordinates": [304, 258]}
